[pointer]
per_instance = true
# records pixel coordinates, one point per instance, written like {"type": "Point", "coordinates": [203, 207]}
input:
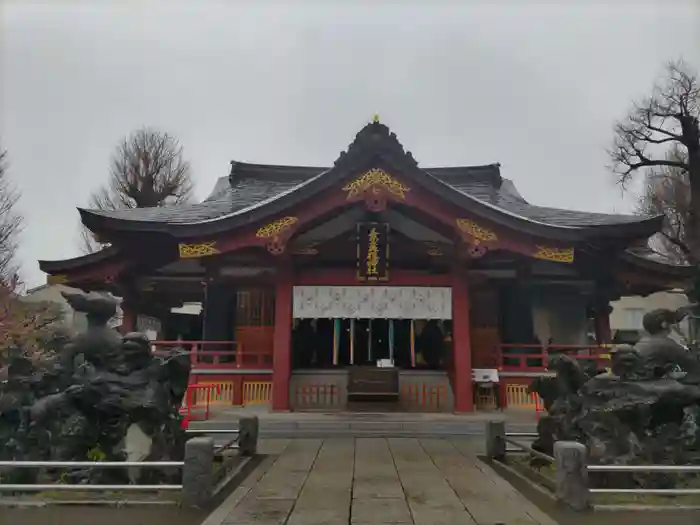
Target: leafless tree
{"type": "Point", "coordinates": [660, 140]}
{"type": "Point", "coordinates": [11, 224]}
{"type": "Point", "coordinates": [666, 192]}
{"type": "Point", "coordinates": [147, 170]}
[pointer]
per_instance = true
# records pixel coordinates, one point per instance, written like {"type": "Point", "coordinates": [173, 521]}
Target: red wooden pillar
{"type": "Point", "coordinates": [461, 342]}
{"type": "Point", "coordinates": [603, 333]}
{"type": "Point", "coordinates": [129, 316]}
{"type": "Point", "coordinates": [282, 340]}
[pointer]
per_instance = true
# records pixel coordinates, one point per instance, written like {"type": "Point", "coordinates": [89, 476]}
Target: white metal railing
{"type": "Point", "coordinates": [105, 488]}
{"type": "Point", "coordinates": [90, 464]}
{"type": "Point", "coordinates": [497, 441]}
{"type": "Point", "coordinates": [678, 469]}
{"type": "Point", "coordinates": [230, 444]}
{"type": "Point", "coordinates": [525, 447]}
{"type": "Point", "coordinates": [87, 464]}
{"type": "Point", "coordinates": [645, 468]}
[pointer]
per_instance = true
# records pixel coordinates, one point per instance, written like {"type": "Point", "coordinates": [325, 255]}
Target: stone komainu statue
{"type": "Point", "coordinates": [119, 402]}
{"type": "Point", "coordinates": [659, 354]}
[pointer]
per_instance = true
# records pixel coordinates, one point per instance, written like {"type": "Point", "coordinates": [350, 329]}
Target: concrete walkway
{"type": "Point", "coordinates": [375, 481]}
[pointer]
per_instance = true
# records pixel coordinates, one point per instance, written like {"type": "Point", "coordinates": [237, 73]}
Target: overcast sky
{"type": "Point", "coordinates": [535, 88]}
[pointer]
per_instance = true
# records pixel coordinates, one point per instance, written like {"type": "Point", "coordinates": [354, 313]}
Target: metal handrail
{"type": "Point", "coordinates": [661, 492]}
{"type": "Point", "coordinates": [90, 464]}
{"type": "Point", "coordinates": [644, 468]}
{"type": "Point", "coordinates": [41, 488]}
{"type": "Point", "coordinates": [525, 447]}
{"type": "Point", "coordinates": [211, 431]}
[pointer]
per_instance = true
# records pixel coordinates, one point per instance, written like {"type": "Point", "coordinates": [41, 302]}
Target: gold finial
{"type": "Point", "coordinates": [376, 117]}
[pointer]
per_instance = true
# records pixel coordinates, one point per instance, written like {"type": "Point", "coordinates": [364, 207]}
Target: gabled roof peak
{"type": "Point", "coordinates": [376, 137]}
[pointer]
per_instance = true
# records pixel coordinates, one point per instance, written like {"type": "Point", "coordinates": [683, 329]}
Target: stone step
{"type": "Point", "coordinates": [287, 429]}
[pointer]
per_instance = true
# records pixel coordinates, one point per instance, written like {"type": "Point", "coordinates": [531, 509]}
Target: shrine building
{"type": "Point", "coordinates": [372, 279]}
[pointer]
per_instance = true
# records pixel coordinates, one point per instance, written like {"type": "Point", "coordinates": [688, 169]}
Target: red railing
{"type": "Point", "coordinates": [535, 358]}
{"type": "Point", "coordinates": [219, 354]}
{"type": "Point", "coordinates": [187, 411]}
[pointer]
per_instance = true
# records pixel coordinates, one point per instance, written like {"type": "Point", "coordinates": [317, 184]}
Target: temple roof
{"type": "Point", "coordinates": [256, 192]}
{"type": "Point", "coordinates": [253, 184]}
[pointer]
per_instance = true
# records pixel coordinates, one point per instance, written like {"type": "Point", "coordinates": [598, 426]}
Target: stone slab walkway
{"type": "Point", "coordinates": [375, 481]}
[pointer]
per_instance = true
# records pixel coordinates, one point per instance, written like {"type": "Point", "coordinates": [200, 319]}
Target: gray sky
{"type": "Point", "coordinates": [534, 87]}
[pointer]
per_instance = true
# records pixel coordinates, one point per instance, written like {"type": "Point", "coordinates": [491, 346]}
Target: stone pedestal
{"type": "Point", "coordinates": [198, 472]}
{"type": "Point", "coordinates": [248, 429]}
{"type": "Point", "coordinates": [571, 474]}
{"type": "Point", "coordinates": [495, 440]}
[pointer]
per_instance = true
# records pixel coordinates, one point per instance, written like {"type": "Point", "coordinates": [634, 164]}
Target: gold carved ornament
{"type": "Point", "coordinates": [372, 253]}
{"type": "Point", "coordinates": [56, 279]}
{"type": "Point", "coordinates": [275, 228]}
{"type": "Point", "coordinates": [546, 253]}
{"type": "Point", "coordinates": [376, 177]}
{"type": "Point", "coordinates": [476, 232]}
{"type": "Point", "coordinates": [193, 251]}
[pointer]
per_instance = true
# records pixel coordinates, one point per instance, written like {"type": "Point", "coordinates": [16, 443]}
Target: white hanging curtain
{"type": "Point", "coordinates": [372, 302]}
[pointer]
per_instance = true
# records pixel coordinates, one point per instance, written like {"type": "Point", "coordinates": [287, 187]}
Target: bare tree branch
{"type": "Point", "coordinates": [11, 225]}
{"type": "Point", "coordinates": [147, 170]}
{"type": "Point", "coordinates": [660, 140]}
{"type": "Point", "coordinates": [26, 328]}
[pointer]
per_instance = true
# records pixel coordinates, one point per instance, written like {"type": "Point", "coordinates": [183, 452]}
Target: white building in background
{"type": "Point", "coordinates": [627, 314]}
{"type": "Point", "coordinates": [77, 321]}
{"type": "Point", "coordinates": [73, 320]}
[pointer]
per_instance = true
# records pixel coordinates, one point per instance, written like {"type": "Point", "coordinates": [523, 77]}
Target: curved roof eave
{"type": "Point", "coordinates": [52, 267]}
{"type": "Point", "coordinates": [645, 227]}
{"type": "Point", "coordinates": [277, 203]}
{"type": "Point", "coordinates": [677, 270]}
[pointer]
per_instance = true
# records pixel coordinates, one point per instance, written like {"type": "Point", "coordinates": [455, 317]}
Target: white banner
{"type": "Point", "coordinates": [371, 302]}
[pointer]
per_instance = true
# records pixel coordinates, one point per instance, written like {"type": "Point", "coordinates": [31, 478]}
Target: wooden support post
{"type": "Point", "coordinates": [603, 333]}
{"type": "Point", "coordinates": [282, 339]}
{"type": "Point", "coordinates": [130, 313]}
{"type": "Point", "coordinates": [461, 341]}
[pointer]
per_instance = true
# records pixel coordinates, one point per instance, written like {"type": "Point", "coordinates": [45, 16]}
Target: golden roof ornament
{"type": "Point", "coordinates": [375, 118]}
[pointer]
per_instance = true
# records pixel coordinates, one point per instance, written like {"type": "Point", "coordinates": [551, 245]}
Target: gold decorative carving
{"type": "Point", "coordinates": [56, 279]}
{"type": "Point", "coordinates": [476, 232]}
{"type": "Point", "coordinates": [272, 230]}
{"type": "Point", "coordinates": [193, 251]}
{"type": "Point", "coordinates": [376, 177]}
{"type": "Point", "coordinates": [546, 253]}
{"type": "Point", "coordinates": [372, 258]}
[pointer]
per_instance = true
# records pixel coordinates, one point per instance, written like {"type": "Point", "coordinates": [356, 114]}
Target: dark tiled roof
{"type": "Point", "coordinates": [81, 261]}
{"type": "Point", "coordinates": [223, 200]}
{"type": "Point", "coordinates": [253, 183]}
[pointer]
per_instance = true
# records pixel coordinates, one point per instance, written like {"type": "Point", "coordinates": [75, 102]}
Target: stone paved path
{"type": "Point", "coordinates": [375, 481]}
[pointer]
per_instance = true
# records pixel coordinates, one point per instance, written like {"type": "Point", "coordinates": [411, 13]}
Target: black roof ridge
{"type": "Point", "coordinates": [305, 167]}
{"type": "Point", "coordinates": [280, 167]}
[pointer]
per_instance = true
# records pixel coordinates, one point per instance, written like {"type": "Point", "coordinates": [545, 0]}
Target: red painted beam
{"type": "Point", "coordinates": [106, 271]}
{"type": "Point", "coordinates": [335, 199]}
